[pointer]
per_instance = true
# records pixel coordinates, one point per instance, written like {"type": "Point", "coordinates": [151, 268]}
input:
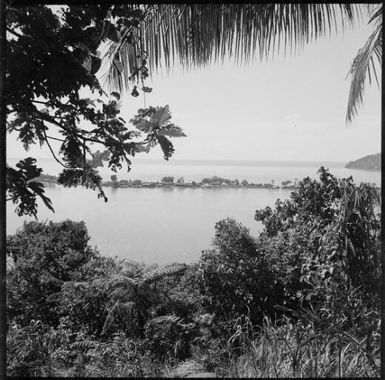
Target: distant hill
{"type": "Point", "coordinates": [371, 162]}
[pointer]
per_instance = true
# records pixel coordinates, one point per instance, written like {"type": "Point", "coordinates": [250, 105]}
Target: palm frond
{"type": "Point", "coordinates": [198, 34]}
{"type": "Point", "coordinates": [364, 65]}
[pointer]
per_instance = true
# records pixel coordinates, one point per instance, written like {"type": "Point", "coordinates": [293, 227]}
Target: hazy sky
{"type": "Point", "coordinates": [283, 109]}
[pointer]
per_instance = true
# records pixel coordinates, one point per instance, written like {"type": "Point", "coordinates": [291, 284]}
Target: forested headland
{"type": "Point", "coordinates": [371, 162]}
{"type": "Point", "coordinates": [301, 299]}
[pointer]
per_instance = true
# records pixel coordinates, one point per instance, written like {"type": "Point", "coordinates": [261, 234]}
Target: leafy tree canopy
{"type": "Point", "coordinates": [52, 58]}
{"type": "Point", "coordinates": [168, 179]}
{"type": "Point", "coordinates": [235, 277]}
{"type": "Point", "coordinates": [327, 232]}
{"type": "Point", "coordinates": [43, 257]}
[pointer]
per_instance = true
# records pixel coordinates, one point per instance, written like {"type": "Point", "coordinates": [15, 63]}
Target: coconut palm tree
{"type": "Point", "coordinates": [200, 34]}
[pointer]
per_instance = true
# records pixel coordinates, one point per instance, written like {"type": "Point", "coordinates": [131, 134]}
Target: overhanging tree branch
{"type": "Point", "coordinates": [52, 152]}
{"type": "Point", "coordinates": [63, 59]}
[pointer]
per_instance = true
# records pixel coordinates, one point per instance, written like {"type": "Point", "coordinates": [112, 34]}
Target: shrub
{"type": "Point", "coordinates": [44, 256]}
{"type": "Point", "coordinates": [168, 337]}
{"type": "Point", "coordinates": [325, 240]}
{"type": "Point", "coordinates": [235, 278]}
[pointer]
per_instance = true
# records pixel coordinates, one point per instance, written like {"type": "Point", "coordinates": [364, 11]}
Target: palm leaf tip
{"type": "Point", "coordinates": [365, 65]}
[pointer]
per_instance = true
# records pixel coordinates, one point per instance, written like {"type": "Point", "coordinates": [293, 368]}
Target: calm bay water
{"type": "Point", "coordinates": [167, 225]}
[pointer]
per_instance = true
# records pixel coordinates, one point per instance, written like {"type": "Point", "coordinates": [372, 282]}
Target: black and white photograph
{"type": "Point", "coordinates": [191, 190]}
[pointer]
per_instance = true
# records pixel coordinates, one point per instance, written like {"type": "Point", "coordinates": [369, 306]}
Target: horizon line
{"type": "Point", "coordinates": [207, 159]}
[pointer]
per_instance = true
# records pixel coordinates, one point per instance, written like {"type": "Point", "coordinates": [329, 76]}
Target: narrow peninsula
{"type": "Point", "coordinates": [169, 182]}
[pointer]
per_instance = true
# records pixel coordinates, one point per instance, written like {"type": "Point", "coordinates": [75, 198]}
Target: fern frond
{"type": "Point", "coordinates": [162, 272]}
{"type": "Point", "coordinates": [126, 307]}
{"type": "Point", "coordinates": [49, 278]}
{"type": "Point", "coordinates": [118, 280]}
{"type": "Point", "coordinates": [67, 285]}
{"type": "Point", "coordinates": [54, 297]}
{"type": "Point", "coordinates": [120, 292]}
{"type": "Point", "coordinates": [110, 318]}
{"type": "Point", "coordinates": [171, 318]}
{"type": "Point", "coordinates": [84, 345]}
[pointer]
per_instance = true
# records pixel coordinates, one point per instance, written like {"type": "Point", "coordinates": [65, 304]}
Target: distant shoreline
{"type": "Point", "coordinates": [213, 182]}
{"type": "Point", "coordinates": [206, 183]}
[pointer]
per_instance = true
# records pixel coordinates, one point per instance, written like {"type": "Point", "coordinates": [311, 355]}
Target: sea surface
{"type": "Point", "coordinates": [157, 225]}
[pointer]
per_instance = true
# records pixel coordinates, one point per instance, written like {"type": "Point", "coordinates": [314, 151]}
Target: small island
{"type": "Point", "coordinates": [371, 162]}
{"type": "Point", "coordinates": [169, 182]}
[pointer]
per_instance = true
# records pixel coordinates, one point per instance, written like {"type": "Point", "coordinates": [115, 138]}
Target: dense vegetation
{"type": "Point", "coordinates": [302, 299]}
{"type": "Point", "coordinates": [282, 304]}
{"type": "Point", "coordinates": [371, 162]}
